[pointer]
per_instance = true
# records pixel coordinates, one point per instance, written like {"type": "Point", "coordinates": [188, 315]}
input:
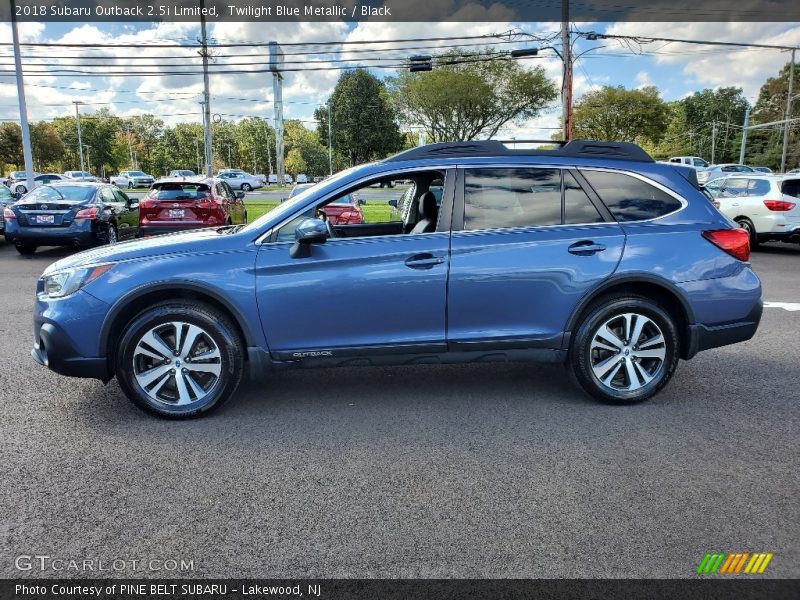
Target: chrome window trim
{"type": "Point", "coordinates": [354, 185]}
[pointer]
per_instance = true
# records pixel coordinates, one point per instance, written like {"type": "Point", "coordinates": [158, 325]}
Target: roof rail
{"type": "Point", "coordinates": [479, 148]}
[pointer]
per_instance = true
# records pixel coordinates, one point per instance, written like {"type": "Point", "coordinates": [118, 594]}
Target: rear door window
{"type": "Point", "coordinates": [791, 187]}
{"type": "Point", "coordinates": [629, 198]}
{"type": "Point", "coordinates": [511, 197]}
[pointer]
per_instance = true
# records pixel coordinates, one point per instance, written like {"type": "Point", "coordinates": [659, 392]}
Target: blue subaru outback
{"type": "Point", "coordinates": [591, 255]}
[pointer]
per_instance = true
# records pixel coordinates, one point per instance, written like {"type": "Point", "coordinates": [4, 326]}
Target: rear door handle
{"type": "Point", "coordinates": [585, 248]}
{"type": "Point", "coordinates": [423, 261]}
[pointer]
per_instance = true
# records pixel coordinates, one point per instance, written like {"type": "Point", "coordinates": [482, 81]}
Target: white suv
{"type": "Point", "coordinates": [768, 206]}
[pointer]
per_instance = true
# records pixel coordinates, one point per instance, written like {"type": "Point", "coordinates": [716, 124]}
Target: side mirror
{"type": "Point", "coordinates": [240, 195]}
{"type": "Point", "coordinates": [310, 231]}
{"type": "Point", "coordinates": [133, 206]}
{"type": "Point", "coordinates": [393, 202]}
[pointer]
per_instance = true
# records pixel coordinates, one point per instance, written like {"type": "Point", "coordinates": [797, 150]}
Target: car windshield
{"type": "Point", "coordinates": [135, 173]}
{"type": "Point", "coordinates": [61, 193]}
{"type": "Point", "coordinates": [179, 191]}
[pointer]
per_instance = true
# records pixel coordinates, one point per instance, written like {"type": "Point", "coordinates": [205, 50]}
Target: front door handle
{"type": "Point", "coordinates": [585, 248]}
{"type": "Point", "coordinates": [423, 261]}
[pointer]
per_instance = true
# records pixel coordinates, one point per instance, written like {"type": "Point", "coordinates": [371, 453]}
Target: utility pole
{"type": "Point", "coordinates": [566, 79]}
{"type": "Point", "coordinates": [78, 124]}
{"type": "Point", "coordinates": [88, 160]}
{"type": "Point", "coordinates": [206, 96]}
{"type": "Point", "coordinates": [269, 152]}
{"type": "Point", "coordinates": [330, 140]}
{"type": "Point", "coordinates": [788, 115]}
{"type": "Point", "coordinates": [197, 154]}
{"type": "Point", "coordinates": [744, 134]}
{"type": "Point", "coordinates": [713, 141]}
{"type": "Point", "coordinates": [23, 107]}
{"type": "Point", "coordinates": [275, 63]}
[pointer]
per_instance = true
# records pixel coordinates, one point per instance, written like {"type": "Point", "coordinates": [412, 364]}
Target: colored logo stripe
{"type": "Point", "coordinates": [734, 562]}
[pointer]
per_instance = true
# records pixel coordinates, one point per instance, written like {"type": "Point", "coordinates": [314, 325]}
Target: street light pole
{"type": "Point", "coordinates": [206, 96]}
{"type": "Point", "coordinates": [78, 123]}
{"type": "Point", "coordinates": [23, 108]}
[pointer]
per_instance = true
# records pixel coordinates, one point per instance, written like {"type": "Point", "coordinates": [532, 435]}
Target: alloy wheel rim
{"type": "Point", "coordinates": [112, 235]}
{"type": "Point", "coordinates": [177, 364]}
{"type": "Point", "coordinates": [627, 352]}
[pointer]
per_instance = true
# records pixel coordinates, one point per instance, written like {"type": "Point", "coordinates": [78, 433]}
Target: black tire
{"type": "Point", "coordinates": [112, 235]}
{"type": "Point", "coordinates": [130, 185]}
{"type": "Point", "coordinates": [218, 328]}
{"type": "Point", "coordinates": [747, 224]}
{"type": "Point", "coordinates": [26, 249]}
{"type": "Point", "coordinates": [21, 189]}
{"type": "Point", "coordinates": [245, 218]}
{"type": "Point", "coordinates": [246, 187]}
{"type": "Point", "coordinates": [582, 357]}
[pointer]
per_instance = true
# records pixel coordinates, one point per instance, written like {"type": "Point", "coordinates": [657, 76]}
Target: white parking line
{"type": "Point", "coordinates": [790, 306]}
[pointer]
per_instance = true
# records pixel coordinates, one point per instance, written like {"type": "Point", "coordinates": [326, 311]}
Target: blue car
{"type": "Point", "coordinates": [590, 255]}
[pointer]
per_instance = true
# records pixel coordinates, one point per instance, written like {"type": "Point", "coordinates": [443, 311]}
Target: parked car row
{"type": "Point", "coordinates": [77, 213]}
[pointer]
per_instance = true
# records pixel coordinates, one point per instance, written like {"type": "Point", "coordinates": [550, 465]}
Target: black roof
{"type": "Point", "coordinates": [481, 148]}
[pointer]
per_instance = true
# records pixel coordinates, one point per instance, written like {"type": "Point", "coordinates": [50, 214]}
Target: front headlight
{"type": "Point", "coordinates": [66, 282]}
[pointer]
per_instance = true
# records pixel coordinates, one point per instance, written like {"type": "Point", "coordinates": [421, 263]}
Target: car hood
{"type": "Point", "coordinates": [205, 240]}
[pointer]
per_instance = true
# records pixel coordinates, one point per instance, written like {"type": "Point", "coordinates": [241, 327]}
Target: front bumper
{"type": "Point", "coordinates": [53, 350]}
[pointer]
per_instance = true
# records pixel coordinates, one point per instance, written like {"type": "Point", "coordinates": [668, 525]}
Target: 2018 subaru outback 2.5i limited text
{"type": "Point", "coordinates": [591, 255]}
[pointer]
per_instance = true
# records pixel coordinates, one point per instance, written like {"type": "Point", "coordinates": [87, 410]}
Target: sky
{"type": "Point", "coordinates": [677, 70]}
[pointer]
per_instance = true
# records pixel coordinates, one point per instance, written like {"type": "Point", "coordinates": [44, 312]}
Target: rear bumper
{"type": "Point", "coordinates": [704, 337]}
{"type": "Point", "coordinates": [74, 235]}
{"type": "Point", "coordinates": [53, 349]}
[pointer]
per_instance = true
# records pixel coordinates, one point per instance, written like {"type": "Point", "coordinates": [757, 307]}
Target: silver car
{"type": "Point", "coordinates": [240, 180]}
{"type": "Point", "coordinates": [723, 170]}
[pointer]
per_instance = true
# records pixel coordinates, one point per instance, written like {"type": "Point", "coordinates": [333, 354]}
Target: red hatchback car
{"type": "Point", "coordinates": [180, 204]}
{"type": "Point", "coordinates": [345, 211]}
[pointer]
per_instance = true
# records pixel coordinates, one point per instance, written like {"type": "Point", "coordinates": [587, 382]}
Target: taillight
{"type": "Point", "coordinates": [87, 213]}
{"type": "Point", "coordinates": [147, 203]}
{"type": "Point", "coordinates": [735, 242]}
{"type": "Point", "coordinates": [779, 205]}
{"type": "Point", "coordinates": [8, 214]}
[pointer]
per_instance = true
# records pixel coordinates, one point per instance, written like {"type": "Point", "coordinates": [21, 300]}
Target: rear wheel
{"type": "Point", "coordinates": [21, 189]}
{"type": "Point", "coordinates": [246, 187]}
{"type": "Point", "coordinates": [747, 224]}
{"type": "Point", "coordinates": [26, 248]}
{"type": "Point", "coordinates": [111, 235]}
{"type": "Point", "coordinates": [178, 360]}
{"type": "Point", "coordinates": [625, 350]}
{"type": "Point", "coordinates": [130, 185]}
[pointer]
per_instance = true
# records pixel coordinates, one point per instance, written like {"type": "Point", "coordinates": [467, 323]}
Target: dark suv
{"type": "Point", "coordinates": [591, 255]}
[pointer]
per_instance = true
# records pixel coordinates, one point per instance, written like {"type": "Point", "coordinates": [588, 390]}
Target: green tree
{"type": "Point", "coordinates": [467, 96]}
{"type": "Point", "coordinates": [46, 145]}
{"type": "Point", "coordinates": [764, 146]}
{"type": "Point", "coordinates": [307, 142]}
{"type": "Point", "coordinates": [147, 130]}
{"type": "Point", "coordinates": [363, 123]}
{"type": "Point", "coordinates": [295, 163]}
{"type": "Point", "coordinates": [256, 142]}
{"type": "Point", "coordinates": [11, 144]}
{"type": "Point", "coordinates": [718, 113]}
{"type": "Point", "coordinates": [621, 115]}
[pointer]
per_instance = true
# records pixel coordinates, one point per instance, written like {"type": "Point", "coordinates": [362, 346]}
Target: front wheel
{"type": "Point", "coordinates": [21, 189]}
{"type": "Point", "coordinates": [130, 185]}
{"type": "Point", "coordinates": [180, 359]}
{"type": "Point", "coordinates": [111, 235]}
{"type": "Point", "coordinates": [625, 350]}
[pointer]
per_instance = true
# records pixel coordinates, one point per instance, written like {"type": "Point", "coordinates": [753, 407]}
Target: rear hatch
{"type": "Point", "coordinates": [177, 203]}
{"type": "Point", "coordinates": [54, 206]}
{"type": "Point", "coordinates": [790, 191]}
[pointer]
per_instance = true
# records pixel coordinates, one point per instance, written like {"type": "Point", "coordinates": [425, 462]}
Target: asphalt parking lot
{"type": "Point", "coordinates": [428, 471]}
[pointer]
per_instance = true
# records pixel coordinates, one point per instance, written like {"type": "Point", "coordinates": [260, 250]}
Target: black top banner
{"type": "Point", "coordinates": [400, 10]}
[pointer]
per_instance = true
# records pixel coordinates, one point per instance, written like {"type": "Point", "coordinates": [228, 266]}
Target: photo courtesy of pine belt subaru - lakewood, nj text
{"type": "Point", "coordinates": [591, 255]}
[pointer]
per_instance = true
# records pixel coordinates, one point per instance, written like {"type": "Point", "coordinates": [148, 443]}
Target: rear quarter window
{"type": "Point", "coordinates": [629, 198]}
{"type": "Point", "coordinates": [791, 187]}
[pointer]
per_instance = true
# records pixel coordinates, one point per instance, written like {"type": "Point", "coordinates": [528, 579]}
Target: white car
{"type": "Point", "coordinates": [768, 206]}
{"type": "Point", "coordinates": [691, 161]}
{"type": "Point", "coordinates": [23, 186]}
{"type": "Point", "coordinates": [273, 179]}
{"type": "Point", "coordinates": [132, 179]}
{"type": "Point", "coordinates": [239, 180]}
{"type": "Point", "coordinates": [181, 173]}
{"type": "Point", "coordinates": [80, 176]}
{"type": "Point", "coordinates": [301, 178]}
{"type": "Point", "coordinates": [287, 179]}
